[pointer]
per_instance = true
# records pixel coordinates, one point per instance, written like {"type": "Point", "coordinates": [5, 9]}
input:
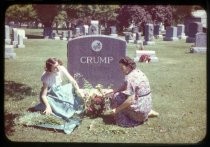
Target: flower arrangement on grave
{"type": "Point", "coordinates": [96, 103]}
{"type": "Point", "coordinates": [144, 58]}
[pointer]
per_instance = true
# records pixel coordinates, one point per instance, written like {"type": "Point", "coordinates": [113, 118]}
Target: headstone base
{"type": "Point", "coordinates": [15, 43]}
{"type": "Point", "coordinates": [137, 41]}
{"type": "Point", "coordinates": [114, 35]}
{"type": "Point", "coordinates": [149, 43]}
{"type": "Point", "coordinates": [182, 37]}
{"type": "Point", "coordinates": [7, 41]}
{"type": "Point", "coordinates": [21, 46]}
{"type": "Point", "coordinates": [198, 50]}
{"type": "Point", "coordinates": [190, 39]}
{"type": "Point", "coordinates": [56, 38]}
{"type": "Point", "coordinates": [170, 39]}
{"type": "Point", "coordinates": [154, 59]}
{"type": "Point", "coordinates": [9, 51]}
{"type": "Point", "coordinates": [130, 41]}
{"type": "Point", "coordinates": [158, 36]}
{"type": "Point", "coordinates": [64, 38]}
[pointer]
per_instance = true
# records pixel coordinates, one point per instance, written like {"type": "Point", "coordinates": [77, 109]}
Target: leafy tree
{"type": "Point", "coordinates": [60, 18]}
{"type": "Point", "coordinates": [46, 14]}
{"type": "Point", "coordinates": [85, 13]}
{"type": "Point", "coordinates": [20, 14]}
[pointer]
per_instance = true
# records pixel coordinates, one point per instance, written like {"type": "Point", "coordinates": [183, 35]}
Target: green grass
{"type": "Point", "coordinates": [178, 84]}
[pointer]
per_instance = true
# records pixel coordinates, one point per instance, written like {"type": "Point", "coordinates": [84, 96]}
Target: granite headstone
{"type": "Point", "coordinates": [96, 59]}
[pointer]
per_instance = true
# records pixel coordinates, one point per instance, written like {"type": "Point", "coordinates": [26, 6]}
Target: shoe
{"type": "Point", "coordinates": [153, 113]}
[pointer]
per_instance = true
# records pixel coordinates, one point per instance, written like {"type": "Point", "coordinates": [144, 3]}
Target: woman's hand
{"type": "Point", "coordinates": [109, 94]}
{"type": "Point", "coordinates": [48, 110]}
{"type": "Point", "coordinates": [110, 112]}
{"type": "Point", "coordinates": [80, 93]}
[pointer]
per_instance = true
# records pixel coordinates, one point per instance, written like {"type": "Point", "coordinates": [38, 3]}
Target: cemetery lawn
{"type": "Point", "coordinates": [178, 84]}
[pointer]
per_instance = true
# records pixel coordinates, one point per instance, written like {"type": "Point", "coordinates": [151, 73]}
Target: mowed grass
{"type": "Point", "coordinates": [178, 84]}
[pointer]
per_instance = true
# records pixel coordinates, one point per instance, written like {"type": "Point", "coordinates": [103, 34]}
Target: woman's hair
{"type": "Point", "coordinates": [128, 62]}
{"type": "Point", "coordinates": [50, 62]}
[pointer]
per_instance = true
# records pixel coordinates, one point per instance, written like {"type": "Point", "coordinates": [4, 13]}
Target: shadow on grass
{"type": "Point", "coordinates": [9, 123]}
{"type": "Point", "coordinates": [34, 37]}
{"type": "Point", "coordinates": [109, 120]}
{"type": "Point", "coordinates": [17, 90]}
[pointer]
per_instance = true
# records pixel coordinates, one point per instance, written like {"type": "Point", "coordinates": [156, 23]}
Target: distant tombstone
{"type": "Point", "coordinates": [69, 34]}
{"type": "Point", "coordinates": [86, 27]}
{"type": "Point", "coordinates": [113, 31]}
{"type": "Point", "coordinates": [64, 35]}
{"type": "Point", "coordinates": [200, 43]}
{"type": "Point", "coordinates": [47, 32]}
{"type": "Point", "coordinates": [22, 33]}
{"type": "Point", "coordinates": [20, 41]}
{"type": "Point", "coordinates": [77, 31]}
{"type": "Point", "coordinates": [148, 34]}
{"type": "Point", "coordinates": [135, 29]}
{"type": "Point", "coordinates": [128, 37]}
{"type": "Point", "coordinates": [94, 28]}
{"type": "Point", "coordinates": [96, 59]}
{"type": "Point", "coordinates": [171, 34]}
{"type": "Point", "coordinates": [188, 20]}
{"type": "Point", "coordinates": [7, 35]}
{"type": "Point", "coordinates": [15, 37]}
{"type": "Point", "coordinates": [9, 52]}
{"type": "Point", "coordinates": [180, 31]}
{"type": "Point", "coordinates": [137, 38]}
{"type": "Point", "coordinates": [157, 32]}
{"type": "Point", "coordinates": [194, 27]}
{"type": "Point", "coordinates": [55, 36]}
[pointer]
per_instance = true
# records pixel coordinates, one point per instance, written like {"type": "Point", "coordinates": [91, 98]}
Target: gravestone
{"type": "Point", "coordinates": [22, 33]}
{"type": "Point", "coordinates": [70, 34]}
{"type": "Point", "coordinates": [86, 27]}
{"type": "Point", "coordinates": [188, 20]}
{"type": "Point", "coordinates": [194, 27]}
{"type": "Point", "coordinates": [7, 35]}
{"type": "Point", "coordinates": [148, 34]}
{"type": "Point", "coordinates": [157, 32]}
{"type": "Point", "coordinates": [15, 37]}
{"type": "Point", "coordinates": [94, 28]}
{"type": "Point", "coordinates": [96, 59]}
{"type": "Point", "coordinates": [64, 35]}
{"type": "Point", "coordinates": [200, 43]}
{"type": "Point", "coordinates": [113, 31]}
{"type": "Point", "coordinates": [55, 36]}
{"type": "Point", "coordinates": [180, 31]}
{"type": "Point", "coordinates": [77, 32]}
{"type": "Point", "coordinates": [129, 37]}
{"type": "Point", "coordinates": [138, 38]}
{"type": "Point", "coordinates": [20, 41]}
{"type": "Point", "coordinates": [171, 34]}
{"type": "Point", "coordinates": [135, 29]}
{"type": "Point", "coordinates": [47, 32]}
{"type": "Point", "coordinates": [9, 52]}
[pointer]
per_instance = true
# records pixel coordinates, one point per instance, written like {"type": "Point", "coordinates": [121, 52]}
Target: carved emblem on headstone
{"type": "Point", "coordinates": [96, 45]}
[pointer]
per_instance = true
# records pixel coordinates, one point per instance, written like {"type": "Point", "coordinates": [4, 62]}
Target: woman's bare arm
{"type": "Point", "coordinates": [48, 109]}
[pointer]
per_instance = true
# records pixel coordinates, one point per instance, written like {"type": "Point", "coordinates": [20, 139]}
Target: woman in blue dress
{"type": "Point", "coordinates": [63, 100]}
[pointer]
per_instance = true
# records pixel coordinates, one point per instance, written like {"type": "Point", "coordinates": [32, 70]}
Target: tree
{"type": "Point", "coordinates": [46, 14]}
{"type": "Point", "coordinates": [85, 13]}
{"type": "Point", "coordinates": [136, 14]}
{"type": "Point", "coordinates": [20, 14]}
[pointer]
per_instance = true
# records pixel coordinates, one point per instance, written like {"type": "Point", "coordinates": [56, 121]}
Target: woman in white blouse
{"type": "Point", "coordinates": [53, 90]}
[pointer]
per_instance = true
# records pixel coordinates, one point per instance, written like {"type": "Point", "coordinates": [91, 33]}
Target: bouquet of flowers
{"type": "Point", "coordinates": [96, 103]}
{"type": "Point", "coordinates": [144, 58]}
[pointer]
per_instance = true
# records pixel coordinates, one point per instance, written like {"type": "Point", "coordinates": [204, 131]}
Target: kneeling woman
{"type": "Point", "coordinates": [63, 100]}
{"type": "Point", "coordinates": [132, 102]}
